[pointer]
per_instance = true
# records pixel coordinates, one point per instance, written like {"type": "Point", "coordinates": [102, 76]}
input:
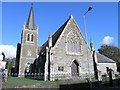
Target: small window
{"type": "Point", "coordinates": [32, 37]}
{"type": "Point", "coordinates": [28, 37]}
{"type": "Point", "coordinates": [60, 68]}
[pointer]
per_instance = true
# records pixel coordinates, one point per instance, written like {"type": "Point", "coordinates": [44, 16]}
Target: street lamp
{"type": "Point", "coordinates": [89, 9]}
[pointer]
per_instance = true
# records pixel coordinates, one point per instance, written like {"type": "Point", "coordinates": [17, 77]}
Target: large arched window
{"type": "Point", "coordinates": [73, 43]}
{"type": "Point", "coordinates": [32, 37]}
{"type": "Point", "coordinates": [28, 37]}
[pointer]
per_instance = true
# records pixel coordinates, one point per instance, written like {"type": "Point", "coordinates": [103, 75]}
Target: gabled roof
{"type": "Point", "coordinates": [55, 36]}
{"type": "Point", "coordinates": [103, 59]}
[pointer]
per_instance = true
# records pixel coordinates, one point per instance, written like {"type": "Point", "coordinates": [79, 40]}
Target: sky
{"type": "Point", "coordinates": [101, 21]}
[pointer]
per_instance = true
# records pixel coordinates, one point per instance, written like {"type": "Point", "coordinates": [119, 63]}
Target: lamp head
{"type": "Point", "coordinates": [90, 8]}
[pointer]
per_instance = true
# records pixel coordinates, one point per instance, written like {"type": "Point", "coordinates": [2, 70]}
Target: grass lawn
{"type": "Point", "coordinates": [26, 81]}
{"type": "Point", "coordinates": [23, 81]}
{"type": "Point", "coordinates": [105, 80]}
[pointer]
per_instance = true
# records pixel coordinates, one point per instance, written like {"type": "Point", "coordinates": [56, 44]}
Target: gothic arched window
{"type": "Point", "coordinates": [32, 37]}
{"type": "Point", "coordinates": [28, 37]}
{"type": "Point", "coordinates": [73, 43]}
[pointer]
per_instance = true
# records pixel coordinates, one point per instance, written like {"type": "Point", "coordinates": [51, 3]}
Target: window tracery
{"type": "Point", "coordinates": [73, 43]}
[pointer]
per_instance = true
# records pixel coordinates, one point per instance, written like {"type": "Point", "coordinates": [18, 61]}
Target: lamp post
{"type": "Point", "coordinates": [89, 9]}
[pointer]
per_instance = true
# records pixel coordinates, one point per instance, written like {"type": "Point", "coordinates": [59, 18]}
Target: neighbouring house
{"type": "Point", "coordinates": [104, 64]}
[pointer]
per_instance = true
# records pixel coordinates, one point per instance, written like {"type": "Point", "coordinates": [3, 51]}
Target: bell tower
{"type": "Point", "coordinates": [29, 44]}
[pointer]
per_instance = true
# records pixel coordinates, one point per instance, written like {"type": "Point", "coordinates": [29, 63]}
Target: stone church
{"type": "Point", "coordinates": [63, 56]}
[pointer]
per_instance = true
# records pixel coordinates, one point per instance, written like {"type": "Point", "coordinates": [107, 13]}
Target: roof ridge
{"type": "Point", "coordinates": [57, 34]}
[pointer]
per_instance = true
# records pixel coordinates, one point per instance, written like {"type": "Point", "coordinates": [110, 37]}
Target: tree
{"type": "Point", "coordinates": [111, 52]}
{"type": "Point", "coordinates": [10, 64]}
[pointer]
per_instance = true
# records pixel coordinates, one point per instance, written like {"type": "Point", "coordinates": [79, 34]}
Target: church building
{"type": "Point", "coordinates": [65, 55]}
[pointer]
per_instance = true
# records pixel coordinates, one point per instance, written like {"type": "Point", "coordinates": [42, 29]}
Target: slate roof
{"type": "Point", "coordinates": [39, 49]}
{"type": "Point", "coordinates": [55, 36]}
{"type": "Point", "coordinates": [103, 59]}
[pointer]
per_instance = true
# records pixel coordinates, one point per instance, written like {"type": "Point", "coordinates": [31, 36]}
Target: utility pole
{"type": "Point", "coordinates": [89, 9]}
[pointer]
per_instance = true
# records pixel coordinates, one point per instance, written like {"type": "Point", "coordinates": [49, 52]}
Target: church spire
{"type": "Point", "coordinates": [30, 21]}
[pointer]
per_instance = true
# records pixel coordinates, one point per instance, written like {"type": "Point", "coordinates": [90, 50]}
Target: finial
{"type": "Point", "coordinates": [91, 45]}
{"type": "Point", "coordinates": [49, 34]}
{"type": "Point", "coordinates": [71, 16]}
{"type": "Point", "coordinates": [32, 4]}
{"type": "Point", "coordinates": [91, 40]}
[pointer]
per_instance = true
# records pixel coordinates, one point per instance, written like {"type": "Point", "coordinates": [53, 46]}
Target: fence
{"type": "Point", "coordinates": [54, 77]}
{"type": "Point", "coordinates": [68, 81]}
{"type": "Point", "coordinates": [111, 79]}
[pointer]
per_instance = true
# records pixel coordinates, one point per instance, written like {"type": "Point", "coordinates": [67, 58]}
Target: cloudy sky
{"type": "Point", "coordinates": [101, 21]}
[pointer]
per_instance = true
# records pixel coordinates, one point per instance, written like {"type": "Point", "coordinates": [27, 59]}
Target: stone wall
{"type": "Point", "coordinates": [60, 57]}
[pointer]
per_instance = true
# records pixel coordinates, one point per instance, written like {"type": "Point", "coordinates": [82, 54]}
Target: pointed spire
{"type": "Point", "coordinates": [50, 40]}
{"type": "Point", "coordinates": [49, 35]}
{"type": "Point", "coordinates": [91, 45]}
{"type": "Point", "coordinates": [30, 22]}
{"type": "Point", "coordinates": [91, 41]}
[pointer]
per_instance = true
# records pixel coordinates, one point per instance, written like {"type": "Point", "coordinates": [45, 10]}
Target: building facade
{"type": "Point", "coordinates": [65, 55]}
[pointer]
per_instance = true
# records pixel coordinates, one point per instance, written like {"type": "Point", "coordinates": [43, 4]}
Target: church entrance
{"type": "Point", "coordinates": [74, 68]}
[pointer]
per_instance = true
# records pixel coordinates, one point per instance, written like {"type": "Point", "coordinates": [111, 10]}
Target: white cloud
{"type": "Point", "coordinates": [9, 50]}
{"type": "Point", "coordinates": [108, 40]}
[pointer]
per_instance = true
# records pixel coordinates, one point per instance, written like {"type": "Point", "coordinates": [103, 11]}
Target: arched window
{"type": "Point", "coordinates": [28, 37]}
{"type": "Point", "coordinates": [27, 67]}
{"type": "Point", "coordinates": [73, 43]}
{"type": "Point", "coordinates": [32, 37]}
